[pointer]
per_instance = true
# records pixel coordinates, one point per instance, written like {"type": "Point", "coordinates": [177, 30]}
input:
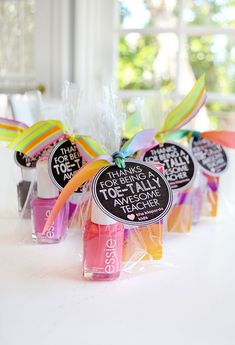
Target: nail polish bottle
{"type": "Point", "coordinates": [42, 205]}
{"type": "Point", "coordinates": [102, 246]}
{"type": "Point", "coordinates": [24, 187]}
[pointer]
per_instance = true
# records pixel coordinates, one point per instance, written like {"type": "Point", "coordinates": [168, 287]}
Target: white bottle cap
{"type": "Point", "coordinates": [99, 217]}
{"type": "Point", "coordinates": [46, 188]}
{"type": "Point", "coordinates": [28, 174]}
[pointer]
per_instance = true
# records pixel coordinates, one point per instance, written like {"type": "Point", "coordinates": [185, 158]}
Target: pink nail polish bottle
{"type": "Point", "coordinates": [102, 246]}
{"type": "Point", "coordinates": [42, 205]}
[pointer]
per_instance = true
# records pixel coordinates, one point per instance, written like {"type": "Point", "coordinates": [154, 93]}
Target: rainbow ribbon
{"type": "Point", "coordinates": [223, 138]}
{"type": "Point", "coordinates": [178, 117]}
{"type": "Point", "coordinates": [140, 141]}
{"type": "Point", "coordinates": [184, 112]}
{"type": "Point", "coordinates": [88, 147]}
{"type": "Point", "coordinates": [9, 129]}
{"type": "Point", "coordinates": [188, 108]}
{"type": "Point", "coordinates": [37, 137]}
{"type": "Point", "coordinates": [32, 140]}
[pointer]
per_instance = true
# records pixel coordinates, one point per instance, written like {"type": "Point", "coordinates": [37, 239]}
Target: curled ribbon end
{"type": "Point", "coordinates": [119, 159]}
{"type": "Point", "coordinates": [120, 162]}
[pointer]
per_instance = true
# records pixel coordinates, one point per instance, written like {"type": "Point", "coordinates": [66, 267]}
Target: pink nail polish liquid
{"type": "Point", "coordinates": [42, 206]}
{"type": "Point", "coordinates": [102, 246]}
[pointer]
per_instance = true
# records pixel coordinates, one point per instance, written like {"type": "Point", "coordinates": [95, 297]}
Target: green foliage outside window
{"type": "Point", "coordinates": [212, 54]}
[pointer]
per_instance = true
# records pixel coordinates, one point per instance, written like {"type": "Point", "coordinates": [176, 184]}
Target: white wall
{"type": "Point", "coordinates": [53, 44]}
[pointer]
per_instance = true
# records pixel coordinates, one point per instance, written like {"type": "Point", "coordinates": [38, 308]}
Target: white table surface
{"type": "Point", "coordinates": [188, 300]}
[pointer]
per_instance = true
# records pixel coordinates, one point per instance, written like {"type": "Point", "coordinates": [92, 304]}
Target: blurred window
{"type": "Point", "coordinates": [164, 45]}
{"type": "Point", "coordinates": [16, 45]}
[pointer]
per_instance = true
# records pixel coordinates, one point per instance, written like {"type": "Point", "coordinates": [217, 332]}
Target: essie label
{"type": "Point", "coordinates": [136, 195]}
{"type": "Point", "coordinates": [51, 231]}
{"type": "Point", "coordinates": [210, 156]}
{"type": "Point", "coordinates": [64, 161]}
{"type": "Point", "coordinates": [25, 161]}
{"type": "Point", "coordinates": [179, 167]}
{"type": "Point", "coordinates": [111, 261]}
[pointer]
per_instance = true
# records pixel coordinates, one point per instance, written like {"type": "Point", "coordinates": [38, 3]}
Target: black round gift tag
{"type": "Point", "coordinates": [136, 195]}
{"type": "Point", "coordinates": [210, 156]}
{"type": "Point", "coordinates": [64, 162]}
{"type": "Point", "coordinates": [179, 167]}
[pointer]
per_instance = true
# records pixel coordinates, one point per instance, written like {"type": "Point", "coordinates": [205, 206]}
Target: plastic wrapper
{"type": "Point", "coordinates": [26, 189]}
{"type": "Point", "coordinates": [143, 243]}
{"type": "Point", "coordinates": [42, 196]}
{"type": "Point", "coordinates": [139, 249]}
{"type": "Point", "coordinates": [211, 198]}
{"type": "Point", "coordinates": [36, 192]}
{"type": "Point", "coordinates": [199, 194]}
{"type": "Point", "coordinates": [94, 112]}
{"type": "Point", "coordinates": [71, 96]}
{"type": "Point", "coordinates": [10, 177]}
{"type": "Point", "coordinates": [180, 217]}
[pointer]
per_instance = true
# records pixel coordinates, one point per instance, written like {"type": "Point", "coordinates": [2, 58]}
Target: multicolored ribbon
{"type": "Point", "coordinates": [177, 118]}
{"type": "Point", "coordinates": [140, 141]}
{"type": "Point", "coordinates": [88, 147]}
{"type": "Point", "coordinates": [188, 108]}
{"type": "Point", "coordinates": [37, 137]}
{"type": "Point", "coordinates": [9, 129]}
{"type": "Point", "coordinates": [32, 140]}
{"type": "Point", "coordinates": [223, 138]}
{"type": "Point", "coordinates": [180, 115]}
{"type": "Point", "coordinates": [133, 125]}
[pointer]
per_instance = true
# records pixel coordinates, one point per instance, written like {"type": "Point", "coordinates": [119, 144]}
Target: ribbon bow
{"type": "Point", "coordinates": [140, 141]}
{"type": "Point", "coordinates": [34, 139]}
{"type": "Point", "coordinates": [30, 140]}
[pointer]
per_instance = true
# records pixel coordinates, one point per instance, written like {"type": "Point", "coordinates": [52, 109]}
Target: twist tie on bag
{"type": "Point", "coordinates": [196, 135]}
{"type": "Point", "coordinates": [86, 147]}
{"type": "Point", "coordinates": [72, 137]}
